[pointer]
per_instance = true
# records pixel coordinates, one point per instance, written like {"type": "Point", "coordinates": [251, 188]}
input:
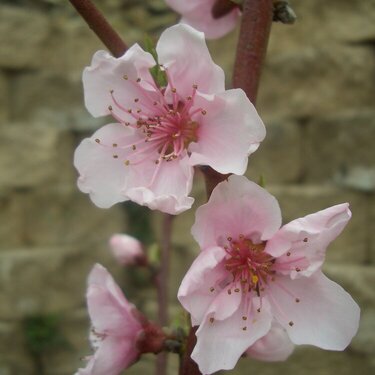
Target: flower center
{"type": "Point", "coordinates": [249, 264]}
{"type": "Point", "coordinates": [168, 123]}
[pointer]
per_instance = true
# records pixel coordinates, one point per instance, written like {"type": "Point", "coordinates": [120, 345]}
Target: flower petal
{"type": "Point", "coordinates": [218, 145]}
{"type": "Point", "coordinates": [325, 316]}
{"type": "Point", "coordinates": [109, 310]}
{"type": "Point", "coordinates": [166, 189]}
{"type": "Point", "coordinates": [273, 347]}
{"type": "Point", "coordinates": [114, 355]}
{"type": "Point", "coordinates": [198, 14]}
{"type": "Point", "coordinates": [183, 51]}
{"type": "Point", "coordinates": [221, 343]}
{"type": "Point", "coordinates": [195, 293]}
{"type": "Point", "coordinates": [101, 174]}
{"type": "Point", "coordinates": [306, 239]}
{"type": "Point", "coordinates": [237, 206]}
{"type": "Point", "coordinates": [106, 73]}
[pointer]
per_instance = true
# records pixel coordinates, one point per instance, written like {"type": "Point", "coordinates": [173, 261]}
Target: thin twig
{"type": "Point", "coordinates": [162, 285]}
{"type": "Point", "coordinates": [252, 45]}
{"type": "Point", "coordinates": [100, 26]}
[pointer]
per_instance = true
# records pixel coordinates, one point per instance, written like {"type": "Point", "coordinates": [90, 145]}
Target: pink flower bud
{"type": "Point", "coordinates": [127, 250]}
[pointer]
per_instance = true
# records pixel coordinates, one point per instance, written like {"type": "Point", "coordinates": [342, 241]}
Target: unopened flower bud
{"type": "Point", "coordinates": [127, 250]}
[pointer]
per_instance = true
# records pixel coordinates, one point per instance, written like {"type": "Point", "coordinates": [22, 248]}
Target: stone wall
{"type": "Point", "coordinates": [317, 100]}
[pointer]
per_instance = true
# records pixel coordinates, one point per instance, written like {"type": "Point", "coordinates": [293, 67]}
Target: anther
{"type": "Point", "coordinates": [305, 239]}
{"type": "Point", "coordinates": [258, 310]}
{"type": "Point", "coordinates": [189, 97]}
{"type": "Point", "coordinates": [129, 110]}
{"type": "Point", "coordinates": [291, 323]}
{"type": "Point", "coordinates": [126, 162]}
{"type": "Point", "coordinates": [136, 100]}
{"type": "Point", "coordinates": [237, 290]}
{"type": "Point", "coordinates": [212, 289]}
{"type": "Point", "coordinates": [174, 90]}
{"type": "Point", "coordinates": [115, 156]}
{"type": "Point", "coordinates": [127, 123]}
{"type": "Point", "coordinates": [111, 91]}
{"type": "Point", "coordinates": [212, 320]}
{"type": "Point", "coordinates": [298, 269]}
{"type": "Point", "coordinates": [195, 87]}
{"type": "Point", "coordinates": [288, 254]}
{"type": "Point", "coordinates": [204, 112]}
{"type": "Point", "coordinates": [110, 108]}
{"type": "Point", "coordinates": [157, 161]}
{"type": "Point", "coordinates": [125, 77]}
{"type": "Point", "coordinates": [139, 110]}
{"type": "Point", "coordinates": [114, 144]}
{"type": "Point", "coordinates": [229, 239]}
{"type": "Point", "coordinates": [138, 80]}
{"type": "Point", "coordinates": [155, 103]}
{"type": "Point", "coordinates": [241, 236]}
{"type": "Point", "coordinates": [97, 140]}
{"type": "Point", "coordinates": [134, 147]}
{"type": "Point", "coordinates": [244, 318]}
{"type": "Point", "coordinates": [244, 328]}
{"type": "Point", "coordinates": [298, 300]}
{"type": "Point", "coordinates": [229, 292]}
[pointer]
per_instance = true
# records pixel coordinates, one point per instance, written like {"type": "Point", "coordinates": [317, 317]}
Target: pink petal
{"type": "Point", "coordinates": [237, 206]}
{"type": "Point", "coordinates": [126, 249]}
{"type": "Point", "coordinates": [109, 310]}
{"type": "Point", "coordinates": [114, 355]}
{"type": "Point", "coordinates": [221, 343]}
{"type": "Point", "coordinates": [273, 347]}
{"type": "Point", "coordinates": [183, 51]}
{"type": "Point", "coordinates": [325, 316]}
{"type": "Point", "coordinates": [195, 292]}
{"type": "Point", "coordinates": [102, 175]}
{"type": "Point", "coordinates": [169, 189]}
{"type": "Point", "coordinates": [220, 147]}
{"type": "Point", "coordinates": [307, 238]}
{"type": "Point", "coordinates": [106, 73]}
{"type": "Point", "coordinates": [198, 14]}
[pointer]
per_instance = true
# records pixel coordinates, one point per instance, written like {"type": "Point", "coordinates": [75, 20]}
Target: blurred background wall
{"type": "Point", "coordinates": [317, 100]}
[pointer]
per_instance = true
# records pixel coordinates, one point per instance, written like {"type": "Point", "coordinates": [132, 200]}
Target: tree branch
{"type": "Point", "coordinates": [100, 26]}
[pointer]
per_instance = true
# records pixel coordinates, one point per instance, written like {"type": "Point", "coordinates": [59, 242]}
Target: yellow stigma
{"type": "Point", "coordinates": [254, 279]}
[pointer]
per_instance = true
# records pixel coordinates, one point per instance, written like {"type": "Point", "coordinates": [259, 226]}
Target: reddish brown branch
{"type": "Point", "coordinates": [100, 26]}
{"type": "Point", "coordinates": [252, 45]}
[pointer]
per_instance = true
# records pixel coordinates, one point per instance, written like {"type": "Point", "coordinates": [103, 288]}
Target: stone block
{"type": "Point", "coordinates": [301, 200]}
{"type": "Point", "coordinates": [311, 80]}
{"type": "Point", "coordinates": [65, 216]}
{"type": "Point", "coordinates": [319, 22]}
{"type": "Point", "coordinates": [46, 280]}
{"type": "Point", "coordinates": [23, 33]}
{"type": "Point", "coordinates": [371, 226]}
{"type": "Point", "coordinates": [4, 98]}
{"type": "Point", "coordinates": [310, 361]}
{"type": "Point", "coordinates": [34, 92]}
{"type": "Point", "coordinates": [35, 154]}
{"type": "Point", "coordinates": [14, 355]}
{"type": "Point", "coordinates": [278, 158]}
{"type": "Point", "coordinates": [337, 144]}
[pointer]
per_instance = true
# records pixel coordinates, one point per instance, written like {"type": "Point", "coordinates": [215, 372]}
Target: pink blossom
{"type": "Point", "coordinates": [148, 155]}
{"type": "Point", "coordinates": [273, 347]}
{"type": "Point", "coordinates": [127, 249]}
{"type": "Point", "coordinates": [115, 326]}
{"type": "Point", "coordinates": [252, 272]}
{"type": "Point", "coordinates": [199, 14]}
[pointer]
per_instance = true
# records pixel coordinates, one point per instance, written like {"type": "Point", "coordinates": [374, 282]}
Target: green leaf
{"type": "Point", "coordinates": [262, 181]}
{"type": "Point", "coordinates": [153, 254]}
{"type": "Point", "coordinates": [158, 75]}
